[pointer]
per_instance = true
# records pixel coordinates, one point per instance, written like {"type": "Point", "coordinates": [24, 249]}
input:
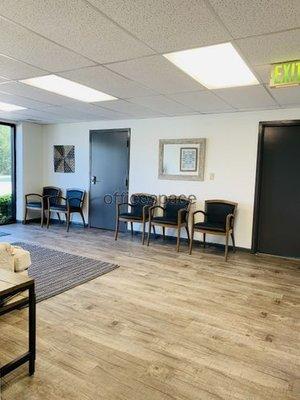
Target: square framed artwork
{"type": "Point", "coordinates": [64, 158]}
{"type": "Point", "coordinates": [188, 159]}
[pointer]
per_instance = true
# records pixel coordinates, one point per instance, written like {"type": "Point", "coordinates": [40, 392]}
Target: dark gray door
{"type": "Point", "coordinates": [279, 197]}
{"type": "Point", "coordinates": [109, 176]}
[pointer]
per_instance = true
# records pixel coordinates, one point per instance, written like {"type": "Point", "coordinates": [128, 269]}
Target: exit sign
{"type": "Point", "coordinates": [285, 74]}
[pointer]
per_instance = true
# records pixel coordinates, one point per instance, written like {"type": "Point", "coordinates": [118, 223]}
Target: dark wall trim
{"type": "Point", "coordinates": [14, 169]}
{"type": "Point", "coordinates": [259, 165]}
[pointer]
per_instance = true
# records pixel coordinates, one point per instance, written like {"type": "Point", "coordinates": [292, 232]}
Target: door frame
{"type": "Point", "coordinates": [128, 130]}
{"type": "Point", "coordinates": [258, 178]}
{"type": "Point", "coordinates": [14, 171]}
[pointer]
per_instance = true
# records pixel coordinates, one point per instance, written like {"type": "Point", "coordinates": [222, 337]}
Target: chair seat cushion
{"type": "Point", "coordinates": [164, 220]}
{"type": "Point", "coordinates": [34, 204]}
{"type": "Point", "coordinates": [132, 215]}
{"type": "Point", "coordinates": [210, 226]}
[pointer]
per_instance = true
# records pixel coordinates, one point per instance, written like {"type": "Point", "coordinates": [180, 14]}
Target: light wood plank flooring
{"type": "Point", "coordinates": [164, 326]}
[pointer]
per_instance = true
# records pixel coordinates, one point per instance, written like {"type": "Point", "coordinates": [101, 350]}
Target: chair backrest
{"type": "Point", "coordinates": [217, 210]}
{"type": "Point", "coordinates": [51, 191]}
{"type": "Point", "coordinates": [75, 197]}
{"type": "Point", "coordinates": [139, 200]}
{"type": "Point", "coordinates": [173, 204]}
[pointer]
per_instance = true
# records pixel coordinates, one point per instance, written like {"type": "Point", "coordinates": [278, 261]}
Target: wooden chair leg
{"type": "Point", "coordinates": [58, 216]}
{"type": "Point", "coordinates": [48, 218]}
{"type": "Point", "coordinates": [117, 228]}
{"type": "Point", "coordinates": [233, 242]}
{"type": "Point", "coordinates": [164, 232]}
{"type": "Point", "coordinates": [143, 234]}
{"type": "Point", "coordinates": [191, 239]}
{"type": "Point", "coordinates": [42, 217]}
{"type": "Point", "coordinates": [154, 231]}
{"type": "Point", "coordinates": [131, 227]}
{"type": "Point", "coordinates": [149, 233]}
{"type": "Point", "coordinates": [226, 246]}
{"type": "Point", "coordinates": [82, 217]}
{"type": "Point", "coordinates": [178, 238]}
{"type": "Point", "coordinates": [204, 240]}
{"type": "Point", "coordinates": [187, 233]}
{"type": "Point", "coordinates": [68, 221]}
{"type": "Point", "coordinates": [25, 216]}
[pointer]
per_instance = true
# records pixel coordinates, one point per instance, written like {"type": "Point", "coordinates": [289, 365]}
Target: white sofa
{"type": "Point", "coordinates": [14, 258]}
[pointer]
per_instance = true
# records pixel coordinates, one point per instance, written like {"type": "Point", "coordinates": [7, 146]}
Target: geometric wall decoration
{"type": "Point", "coordinates": [64, 158]}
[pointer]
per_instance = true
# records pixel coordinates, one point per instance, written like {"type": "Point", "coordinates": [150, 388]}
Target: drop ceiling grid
{"type": "Point", "coordinates": [167, 81]}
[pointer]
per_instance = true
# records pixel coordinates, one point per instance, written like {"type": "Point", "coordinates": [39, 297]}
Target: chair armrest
{"type": "Point", "coordinates": [152, 208]}
{"type": "Point", "coordinates": [71, 199]}
{"type": "Point", "coordinates": [229, 221]}
{"type": "Point", "coordinates": [31, 195]}
{"type": "Point", "coordinates": [123, 204]}
{"type": "Point", "coordinates": [54, 197]}
{"type": "Point", "coordinates": [197, 212]}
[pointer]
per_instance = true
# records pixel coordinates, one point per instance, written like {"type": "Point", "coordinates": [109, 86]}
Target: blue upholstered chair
{"type": "Point", "coordinates": [39, 202]}
{"type": "Point", "coordinates": [175, 215]}
{"type": "Point", "coordinates": [73, 203]}
{"type": "Point", "coordinates": [219, 216]}
{"type": "Point", "coordinates": [138, 212]}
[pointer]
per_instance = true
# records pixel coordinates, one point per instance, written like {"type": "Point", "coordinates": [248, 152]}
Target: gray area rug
{"type": "Point", "coordinates": [56, 271]}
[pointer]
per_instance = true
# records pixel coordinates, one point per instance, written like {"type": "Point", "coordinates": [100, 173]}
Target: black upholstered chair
{"type": "Point", "coordinates": [219, 216]}
{"type": "Point", "coordinates": [175, 215]}
{"type": "Point", "coordinates": [39, 202]}
{"type": "Point", "coordinates": [138, 212]}
{"type": "Point", "coordinates": [73, 203]}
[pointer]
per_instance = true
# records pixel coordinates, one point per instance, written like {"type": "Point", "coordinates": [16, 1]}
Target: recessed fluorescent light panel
{"type": "Point", "coordinates": [215, 67]}
{"type": "Point", "coordinates": [65, 87]}
{"type": "Point", "coordinates": [10, 107]}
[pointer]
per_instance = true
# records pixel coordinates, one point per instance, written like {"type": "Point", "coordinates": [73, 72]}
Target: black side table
{"type": "Point", "coordinates": [12, 284]}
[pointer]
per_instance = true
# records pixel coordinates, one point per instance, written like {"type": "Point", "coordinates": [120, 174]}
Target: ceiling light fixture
{"type": "Point", "coordinates": [65, 87]}
{"type": "Point", "coordinates": [215, 67]}
{"type": "Point", "coordinates": [10, 107]}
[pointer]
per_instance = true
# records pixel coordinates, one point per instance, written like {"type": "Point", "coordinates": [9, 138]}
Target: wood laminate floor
{"type": "Point", "coordinates": [164, 326]}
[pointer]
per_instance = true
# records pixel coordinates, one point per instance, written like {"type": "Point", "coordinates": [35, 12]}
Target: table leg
{"type": "Point", "coordinates": [32, 329]}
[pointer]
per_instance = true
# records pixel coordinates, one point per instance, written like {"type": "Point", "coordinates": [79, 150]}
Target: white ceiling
{"type": "Point", "coordinates": [116, 46]}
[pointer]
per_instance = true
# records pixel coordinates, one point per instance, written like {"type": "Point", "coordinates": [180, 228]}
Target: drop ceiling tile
{"type": "Point", "coordinates": [163, 104]}
{"type": "Point", "coordinates": [22, 101]}
{"type": "Point", "coordinates": [77, 25]}
{"type": "Point", "coordinates": [109, 82]}
{"type": "Point", "coordinates": [204, 101]}
{"type": "Point", "coordinates": [26, 46]}
{"type": "Point", "coordinates": [271, 48]}
{"type": "Point", "coordinates": [246, 97]}
{"type": "Point", "coordinates": [247, 18]}
{"type": "Point", "coordinates": [20, 89]}
{"type": "Point", "coordinates": [166, 25]}
{"type": "Point", "coordinates": [262, 72]}
{"type": "Point", "coordinates": [87, 113]}
{"type": "Point", "coordinates": [286, 96]}
{"type": "Point", "coordinates": [157, 73]}
{"type": "Point", "coordinates": [133, 110]}
{"type": "Point", "coordinates": [13, 69]}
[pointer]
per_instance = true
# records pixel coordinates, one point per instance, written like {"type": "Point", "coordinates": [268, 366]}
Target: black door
{"type": "Point", "coordinates": [277, 211]}
{"type": "Point", "coordinates": [109, 176]}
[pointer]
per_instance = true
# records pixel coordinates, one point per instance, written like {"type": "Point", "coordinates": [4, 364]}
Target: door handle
{"type": "Point", "coordinates": [93, 180]}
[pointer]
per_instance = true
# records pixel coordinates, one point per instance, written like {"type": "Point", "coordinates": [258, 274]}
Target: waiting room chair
{"type": "Point", "coordinates": [175, 215]}
{"type": "Point", "coordinates": [35, 201]}
{"type": "Point", "coordinates": [139, 212]}
{"type": "Point", "coordinates": [74, 202]}
{"type": "Point", "coordinates": [219, 216]}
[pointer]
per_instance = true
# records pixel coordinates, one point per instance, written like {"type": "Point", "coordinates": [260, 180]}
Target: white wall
{"type": "Point", "coordinates": [29, 163]}
{"type": "Point", "coordinates": [231, 156]}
